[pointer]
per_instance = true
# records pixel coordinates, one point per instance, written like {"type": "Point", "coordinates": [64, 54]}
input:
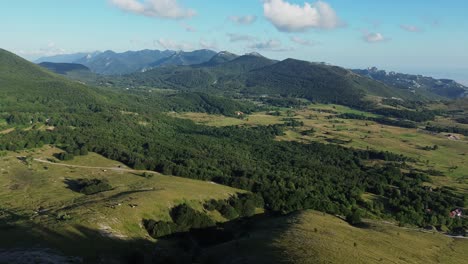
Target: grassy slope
{"type": "Point", "coordinates": [314, 237]}
{"type": "Point", "coordinates": [38, 88]}
{"type": "Point", "coordinates": [27, 188]}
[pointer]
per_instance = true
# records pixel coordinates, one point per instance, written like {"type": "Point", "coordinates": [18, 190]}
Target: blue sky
{"type": "Point", "coordinates": [417, 36]}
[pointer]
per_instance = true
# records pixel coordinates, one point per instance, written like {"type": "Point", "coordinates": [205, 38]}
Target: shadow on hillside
{"type": "Point", "coordinates": [240, 241]}
{"type": "Point", "coordinates": [73, 185]}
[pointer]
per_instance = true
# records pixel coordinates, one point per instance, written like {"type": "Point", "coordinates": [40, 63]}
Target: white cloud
{"type": "Point", "coordinates": [410, 28]}
{"type": "Point", "coordinates": [301, 41]}
{"type": "Point", "coordinates": [289, 17]}
{"type": "Point", "coordinates": [173, 45]}
{"type": "Point", "coordinates": [240, 37]}
{"type": "Point", "coordinates": [154, 8]}
{"type": "Point", "coordinates": [372, 37]}
{"type": "Point", "coordinates": [243, 20]}
{"type": "Point", "coordinates": [50, 49]}
{"type": "Point", "coordinates": [269, 45]}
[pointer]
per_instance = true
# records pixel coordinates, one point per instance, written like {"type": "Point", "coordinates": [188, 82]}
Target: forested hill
{"type": "Point", "coordinates": [64, 68]}
{"type": "Point", "coordinates": [181, 58]}
{"type": "Point", "coordinates": [220, 58]}
{"type": "Point", "coordinates": [25, 86]}
{"type": "Point", "coordinates": [316, 82]}
{"type": "Point", "coordinates": [253, 74]}
{"type": "Point", "coordinates": [417, 83]}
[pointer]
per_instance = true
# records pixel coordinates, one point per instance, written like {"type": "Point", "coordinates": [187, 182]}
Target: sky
{"type": "Point", "coordinates": [417, 36]}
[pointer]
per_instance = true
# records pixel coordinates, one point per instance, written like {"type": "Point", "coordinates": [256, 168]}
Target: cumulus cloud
{"type": "Point", "coordinates": [289, 17]}
{"type": "Point", "coordinates": [154, 8]}
{"type": "Point", "coordinates": [303, 42]}
{"type": "Point", "coordinates": [173, 45]}
{"type": "Point", "coordinates": [240, 37]}
{"type": "Point", "coordinates": [51, 49]}
{"type": "Point", "coordinates": [243, 20]}
{"type": "Point", "coordinates": [410, 28]}
{"type": "Point", "coordinates": [373, 37]}
{"type": "Point", "coordinates": [269, 45]}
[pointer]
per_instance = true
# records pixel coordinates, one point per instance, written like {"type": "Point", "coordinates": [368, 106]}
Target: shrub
{"type": "Point", "coordinates": [228, 212]}
{"type": "Point", "coordinates": [62, 216]}
{"type": "Point", "coordinates": [186, 218]}
{"type": "Point", "coordinates": [354, 217]}
{"type": "Point", "coordinates": [160, 229]}
{"type": "Point", "coordinates": [93, 186]}
{"type": "Point", "coordinates": [64, 156]}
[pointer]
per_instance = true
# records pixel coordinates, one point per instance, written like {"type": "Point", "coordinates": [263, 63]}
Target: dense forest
{"type": "Point", "coordinates": [289, 176]}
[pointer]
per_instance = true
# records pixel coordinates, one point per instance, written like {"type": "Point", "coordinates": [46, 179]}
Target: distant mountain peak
{"type": "Point", "coordinates": [422, 85]}
{"type": "Point", "coordinates": [226, 53]}
{"type": "Point", "coordinates": [256, 54]}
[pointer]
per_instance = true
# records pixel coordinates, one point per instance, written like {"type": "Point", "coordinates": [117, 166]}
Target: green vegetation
{"type": "Point", "coordinates": [184, 219]}
{"type": "Point", "coordinates": [284, 160]}
{"type": "Point", "coordinates": [90, 186]}
{"type": "Point", "coordinates": [40, 208]}
{"type": "Point", "coordinates": [254, 75]}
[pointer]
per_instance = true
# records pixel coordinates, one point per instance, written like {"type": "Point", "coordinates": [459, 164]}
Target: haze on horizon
{"type": "Point", "coordinates": [422, 37]}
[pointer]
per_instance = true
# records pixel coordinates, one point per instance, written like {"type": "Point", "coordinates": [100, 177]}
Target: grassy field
{"type": "Point", "coordinates": [314, 237]}
{"type": "Point", "coordinates": [255, 119]}
{"type": "Point", "coordinates": [33, 194]}
{"type": "Point", "coordinates": [450, 158]}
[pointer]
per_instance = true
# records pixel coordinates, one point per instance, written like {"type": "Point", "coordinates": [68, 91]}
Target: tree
{"type": "Point", "coordinates": [354, 217]}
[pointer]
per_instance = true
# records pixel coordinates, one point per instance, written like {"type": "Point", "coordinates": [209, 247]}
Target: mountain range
{"type": "Point", "coordinates": [206, 70]}
{"type": "Point", "coordinates": [414, 83]}
{"type": "Point", "coordinates": [113, 63]}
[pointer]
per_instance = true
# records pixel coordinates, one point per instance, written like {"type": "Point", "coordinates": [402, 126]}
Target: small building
{"type": "Point", "coordinates": [456, 213]}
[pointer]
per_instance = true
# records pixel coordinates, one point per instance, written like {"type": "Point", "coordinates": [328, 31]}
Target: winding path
{"type": "Point", "coordinates": [90, 167]}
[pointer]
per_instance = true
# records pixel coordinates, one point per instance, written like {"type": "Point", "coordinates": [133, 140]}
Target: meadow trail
{"type": "Point", "coordinates": [91, 167]}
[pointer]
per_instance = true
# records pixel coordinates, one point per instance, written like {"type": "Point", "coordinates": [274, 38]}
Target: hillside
{"type": "Point", "coordinates": [67, 58]}
{"type": "Point", "coordinates": [253, 74]}
{"type": "Point", "coordinates": [42, 208]}
{"type": "Point", "coordinates": [288, 160]}
{"type": "Point", "coordinates": [313, 237]}
{"type": "Point", "coordinates": [316, 82]}
{"type": "Point", "coordinates": [220, 58]}
{"type": "Point", "coordinates": [112, 63]}
{"type": "Point", "coordinates": [26, 86]}
{"type": "Point", "coordinates": [182, 58]}
{"type": "Point", "coordinates": [417, 84]}
{"type": "Point", "coordinates": [64, 68]}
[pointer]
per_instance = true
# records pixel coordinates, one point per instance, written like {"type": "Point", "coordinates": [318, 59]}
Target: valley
{"type": "Point", "coordinates": [224, 159]}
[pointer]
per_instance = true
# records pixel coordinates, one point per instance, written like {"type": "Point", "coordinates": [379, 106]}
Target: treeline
{"type": "Point", "coordinates": [463, 120]}
{"type": "Point", "coordinates": [416, 116]}
{"type": "Point", "coordinates": [380, 120]}
{"type": "Point", "coordinates": [282, 101]}
{"type": "Point", "coordinates": [185, 218]}
{"type": "Point", "coordinates": [89, 186]}
{"type": "Point", "coordinates": [405, 103]}
{"type": "Point", "coordinates": [447, 129]}
{"type": "Point", "coordinates": [422, 206]}
{"type": "Point", "coordinates": [241, 205]}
